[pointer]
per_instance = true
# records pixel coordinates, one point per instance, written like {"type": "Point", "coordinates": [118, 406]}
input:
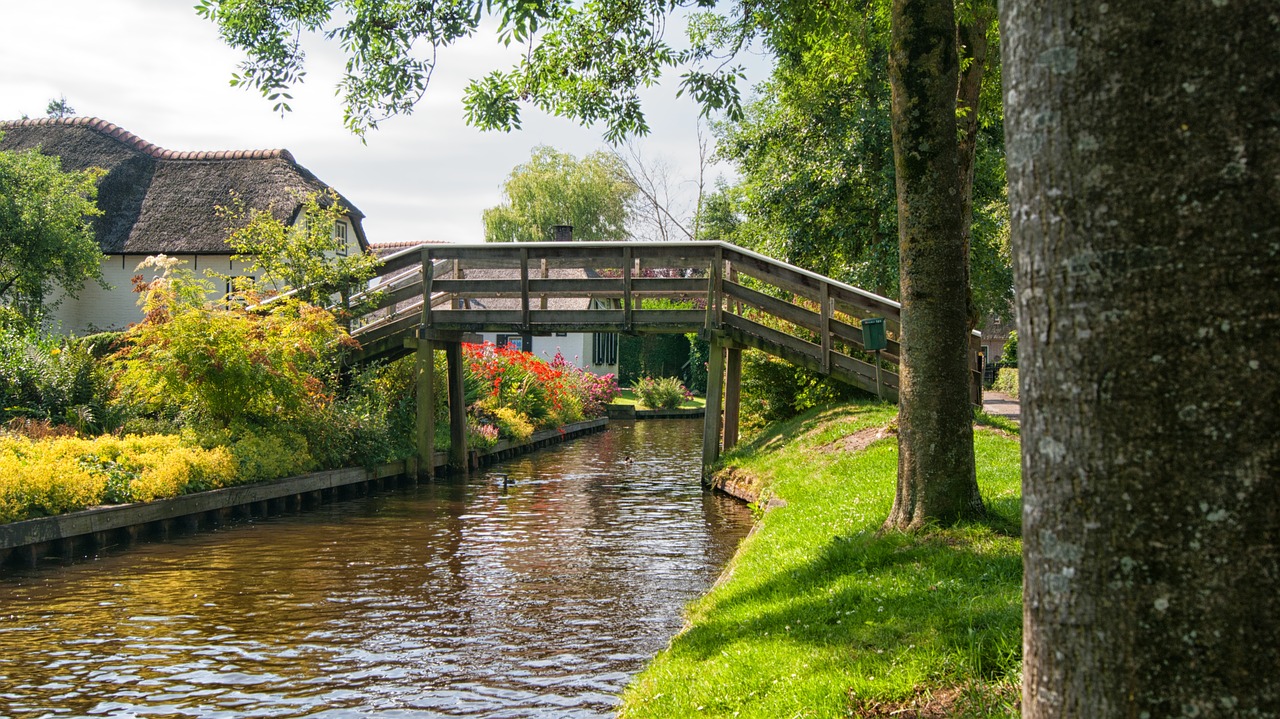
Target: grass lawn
{"type": "Point", "coordinates": [629, 397]}
{"type": "Point", "coordinates": [821, 615]}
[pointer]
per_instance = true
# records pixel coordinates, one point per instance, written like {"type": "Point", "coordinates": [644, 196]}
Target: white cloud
{"type": "Point", "coordinates": [157, 69]}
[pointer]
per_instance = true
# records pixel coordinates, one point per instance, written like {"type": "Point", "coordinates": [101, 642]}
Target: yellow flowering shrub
{"type": "Point", "coordinates": [54, 476]}
{"type": "Point", "coordinates": [513, 424]}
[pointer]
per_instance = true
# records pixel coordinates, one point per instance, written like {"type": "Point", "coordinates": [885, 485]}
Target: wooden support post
{"type": "Point", "coordinates": [711, 422]}
{"type": "Point", "coordinates": [824, 328]}
{"type": "Point", "coordinates": [628, 262]}
{"type": "Point", "coordinates": [732, 396]}
{"type": "Point", "coordinates": [426, 369]}
{"type": "Point", "coordinates": [457, 409]}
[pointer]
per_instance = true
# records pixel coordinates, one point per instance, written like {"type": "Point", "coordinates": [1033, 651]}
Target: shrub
{"type": "Point", "coordinates": [664, 393]}
{"type": "Point", "coordinates": [1007, 381]}
{"type": "Point", "coordinates": [44, 377]}
{"type": "Point", "coordinates": [1009, 355]}
{"type": "Point", "coordinates": [779, 390]}
{"type": "Point", "coordinates": [228, 365]}
{"type": "Point", "coordinates": [42, 478]}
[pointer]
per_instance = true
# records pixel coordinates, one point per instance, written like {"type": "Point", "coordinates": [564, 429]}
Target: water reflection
{"type": "Point", "coordinates": [538, 599]}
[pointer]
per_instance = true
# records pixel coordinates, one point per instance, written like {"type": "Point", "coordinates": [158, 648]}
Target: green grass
{"type": "Point", "coordinates": [821, 615]}
{"type": "Point", "coordinates": [629, 397]}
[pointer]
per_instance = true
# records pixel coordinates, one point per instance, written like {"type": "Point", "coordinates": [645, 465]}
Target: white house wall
{"type": "Point", "coordinates": [95, 309]}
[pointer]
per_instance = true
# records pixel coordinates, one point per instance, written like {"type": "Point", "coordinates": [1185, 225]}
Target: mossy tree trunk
{"type": "Point", "coordinates": [936, 478]}
{"type": "Point", "coordinates": [1144, 163]}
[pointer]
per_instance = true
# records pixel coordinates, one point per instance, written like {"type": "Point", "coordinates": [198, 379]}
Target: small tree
{"type": "Point", "coordinates": [305, 256]}
{"type": "Point", "coordinates": [47, 237]}
{"type": "Point", "coordinates": [59, 108]}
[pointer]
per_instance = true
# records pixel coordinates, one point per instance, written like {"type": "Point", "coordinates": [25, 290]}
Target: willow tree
{"type": "Point", "coordinates": [1144, 162]}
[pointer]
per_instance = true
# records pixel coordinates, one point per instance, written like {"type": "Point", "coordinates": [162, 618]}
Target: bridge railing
{"type": "Point", "coordinates": [745, 298]}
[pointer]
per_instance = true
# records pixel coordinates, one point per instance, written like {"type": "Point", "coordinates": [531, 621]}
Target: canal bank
{"type": "Point", "coordinates": [821, 614]}
{"type": "Point", "coordinates": [81, 534]}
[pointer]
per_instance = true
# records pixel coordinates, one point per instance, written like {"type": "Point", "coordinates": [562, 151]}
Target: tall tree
{"type": "Point", "coordinates": [937, 477]}
{"type": "Point", "coordinates": [46, 230]}
{"type": "Point", "coordinates": [1144, 165]}
{"type": "Point", "coordinates": [815, 155]}
{"type": "Point", "coordinates": [556, 188]}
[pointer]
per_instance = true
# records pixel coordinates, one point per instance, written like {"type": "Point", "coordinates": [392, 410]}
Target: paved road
{"type": "Point", "coordinates": [1001, 404]}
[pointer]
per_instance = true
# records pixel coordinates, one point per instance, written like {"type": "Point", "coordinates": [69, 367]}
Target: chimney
{"type": "Point", "coordinates": [562, 233]}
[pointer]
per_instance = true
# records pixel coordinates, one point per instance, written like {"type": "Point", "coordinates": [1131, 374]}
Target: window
{"type": "Point", "coordinates": [340, 234]}
{"type": "Point", "coordinates": [604, 349]}
{"type": "Point", "coordinates": [515, 342]}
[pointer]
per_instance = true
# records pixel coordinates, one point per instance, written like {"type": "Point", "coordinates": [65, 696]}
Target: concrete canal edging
{"type": "Point", "coordinates": [83, 533]}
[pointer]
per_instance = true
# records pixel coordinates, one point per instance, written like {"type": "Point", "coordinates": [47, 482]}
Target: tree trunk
{"type": "Point", "coordinates": [936, 479]}
{"type": "Point", "coordinates": [1144, 166]}
{"type": "Point", "coordinates": [971, 37]}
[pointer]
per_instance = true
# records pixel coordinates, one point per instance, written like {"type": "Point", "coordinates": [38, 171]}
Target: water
{"type": "Point", "coordinates": [464, 600]}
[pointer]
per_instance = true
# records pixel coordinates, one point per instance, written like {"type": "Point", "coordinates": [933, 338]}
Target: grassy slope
{"type": "Point", "coordinates": [823, 617]}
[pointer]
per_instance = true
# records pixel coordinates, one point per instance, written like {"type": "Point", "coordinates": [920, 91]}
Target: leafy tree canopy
{"type": "Point", "coordinates": [556, 188]}
{"type": "Point", "coordinates": [586, 61]}
{"type": "Point", "coordinates": [46, 233]}
{"type": "Point", "coordinates": [815, 156]}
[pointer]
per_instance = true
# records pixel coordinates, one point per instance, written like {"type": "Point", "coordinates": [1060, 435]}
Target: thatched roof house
{"type": "Point", "coordinates": [156, 200]}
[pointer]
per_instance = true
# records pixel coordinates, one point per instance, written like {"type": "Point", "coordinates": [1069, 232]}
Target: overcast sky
{"type": "Point", "coordinates": [158, 70]}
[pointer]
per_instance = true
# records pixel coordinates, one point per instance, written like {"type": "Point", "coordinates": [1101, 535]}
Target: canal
{"type": "Point", "coordinates": [540, 598]}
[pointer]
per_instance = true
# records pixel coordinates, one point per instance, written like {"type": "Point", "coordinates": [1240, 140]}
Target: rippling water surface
{"type": "Point", "coordinates": [449, 600]}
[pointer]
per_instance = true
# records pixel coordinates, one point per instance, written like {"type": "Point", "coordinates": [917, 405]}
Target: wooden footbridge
{"type": "Point", "coordinates": [436, 296]}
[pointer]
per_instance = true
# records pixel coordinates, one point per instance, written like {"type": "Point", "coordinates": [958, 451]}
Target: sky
{"type": "Point", "coordinates": [157, 69]}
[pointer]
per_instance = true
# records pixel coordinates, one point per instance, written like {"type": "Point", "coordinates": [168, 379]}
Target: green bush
{"type": "Point", "coordinates": [663, 393]}
{"type": "Point", "coordinates": [778, 390]}
{"type": "Point", "coordinates": [1007, 381]}
{"type": "Point", "coordinates": [55, 379]}
{"type": "Point", "coordinates": [1009, 355]}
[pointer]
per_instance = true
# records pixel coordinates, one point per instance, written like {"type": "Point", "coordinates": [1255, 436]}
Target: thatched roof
{"type": "Point", "coordinates": [157, 200]}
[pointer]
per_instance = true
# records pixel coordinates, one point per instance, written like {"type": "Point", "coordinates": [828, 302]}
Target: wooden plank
{"type": "Point", "coordinates": [509, 318]}
{"type": "Point", "coordinates": [688, 318]}
{"type": "Point", "coordinates": [428, 274]}
{"type": "Point", "coordinates": [794, 314]}
{"type": "Point", "coordinates": [524, 293]}
{"type": "Point", "coordinates": [479, 288]}
{"type": "Point", "coordinates": [627, 282]}
{"type": "Point", "coordinates": [577, 287]}
{"type": "Point", "coordinates": [866, 304]}
{"type": "Point", "coordinates": [578, 317]}
{"type": "Point", "coordinates": [824, 331]}
{"type": "Point", "coordinates": [400, 261]}
{"type": "Point", "coordinates": [732, 395]}
{"type": "Point", "coordinates": [782, 339]}
{"type": "Point", "coordinates": [777, 274]}
{"type": "Point", "coordinates": [506, 252]}
{"type": "Point", "coordinates": [711, 420]}
{"type": "Point", "coordinates": [715, 291]}
{"type": "Point", "coordinates": [394, 296]}
{"type": "Point", "coordinates": [694, 286]}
